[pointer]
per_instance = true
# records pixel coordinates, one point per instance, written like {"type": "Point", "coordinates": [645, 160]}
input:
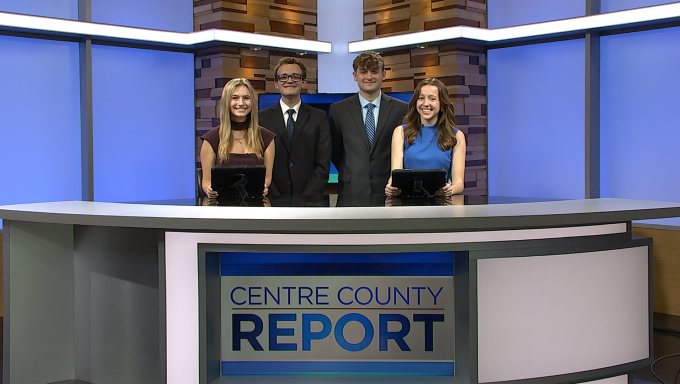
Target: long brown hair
{"type": "Point", "coordinates": [253, 133]}
{"type": "Point", "coordinates": [445, 118]}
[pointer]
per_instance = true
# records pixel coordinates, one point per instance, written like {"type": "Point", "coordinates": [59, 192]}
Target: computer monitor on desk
{"type": "Point", "coordinates": [238, 181]}
{"type": "Point", "coordinates": [418, 182]}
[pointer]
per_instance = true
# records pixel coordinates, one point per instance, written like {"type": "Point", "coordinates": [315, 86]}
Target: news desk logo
{"type": "Point", "coordinates": [314, 318]}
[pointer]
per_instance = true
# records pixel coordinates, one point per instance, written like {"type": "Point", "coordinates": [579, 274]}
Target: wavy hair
{"type": "Point", "coordinates": [369, 60]}
{"type": "Point", "coordinates": [253, 133]}
{"type": "Point", "coordinates": [445, 118]}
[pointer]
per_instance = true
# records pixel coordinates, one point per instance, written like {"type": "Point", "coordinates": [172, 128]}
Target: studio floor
{"type": "Point", "coordinates": [666, 342]}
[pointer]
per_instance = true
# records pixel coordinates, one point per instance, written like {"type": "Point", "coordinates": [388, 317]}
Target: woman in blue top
{"type": "Point", "coordinates": [428, 139]}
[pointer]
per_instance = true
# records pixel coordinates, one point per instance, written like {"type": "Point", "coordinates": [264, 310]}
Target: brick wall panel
{"type": "Point", "coordinates": [393, 13]}
{"type": "Point", "coordinates": [419, 7]}
{"type": "Point", "coordinates": [231, 6]}
{"type": "Point", "coordinates": [371, 4]}
{"type": "Point", "coordinates": [392, 27]}
{"type": "Point", "coordinates": [207, 18]}
{"type": "Point", "coordinates": [286, 15]}
{"type": "Point", "coordinates": [448, 58]}
{"type": "Point", "coordinates": [476, 5]}
{"type": "Point", "coordinates": [475, 80]}
{"type": "Point", "coordinates": [473, 109]}
{"type": "Point", "coordinates": [447, 4]}
{"type": "Point", "coordinates": [203, 9]}
{"type": "Point", "coordinates": [397, 59]}
{"type": "Point", "coordinates": [425, 50]}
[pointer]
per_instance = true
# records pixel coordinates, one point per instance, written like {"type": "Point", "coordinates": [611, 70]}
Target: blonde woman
{"type": "Point", "coordinates": [239, 140]}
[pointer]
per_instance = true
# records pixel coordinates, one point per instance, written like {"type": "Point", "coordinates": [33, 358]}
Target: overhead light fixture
{"type": "Point", "coordinates": [546, 29]}
{"type": "Point", "coordinates": [48, 25]}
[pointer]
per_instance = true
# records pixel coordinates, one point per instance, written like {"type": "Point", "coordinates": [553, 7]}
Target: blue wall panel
{"type": "Point", "coordinates": [169, 15]}
{"type": "Point", "coordinates": [536, 120]}
{"type": "Point", "coordinates": [619, 5]}
{"type": "Point", "coordinates": [63, 9]}
{"type": "Point", "coordinates": [640, 123]}
{"type": "Point", "coordinates": [507, 13]}
{"type": "Point", "coordinates": [143, 112]}
{"type": "Point", "coordinates": [39, 121]}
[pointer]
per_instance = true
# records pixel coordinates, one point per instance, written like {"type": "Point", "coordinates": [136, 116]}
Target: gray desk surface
{"type": "Point", "coordinates": [346, 219]}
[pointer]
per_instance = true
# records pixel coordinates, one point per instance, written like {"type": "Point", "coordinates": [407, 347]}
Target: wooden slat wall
{"type": "Point", "coordinates": [461, 67]}
{"type": "Point", "coordinates": [666, 268]}
{"type": "Point", "coordinates": [291, 18]}
{"type": "Point", "coordinates": [392, 17]}
{"type": "Point", "coordinates": [214, 67]}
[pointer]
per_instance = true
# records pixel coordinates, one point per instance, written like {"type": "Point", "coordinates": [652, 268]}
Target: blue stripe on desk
{"type": "Point", "coordinates": [336, 264]}
{"type": "Point", "coordinates": [392, 368]}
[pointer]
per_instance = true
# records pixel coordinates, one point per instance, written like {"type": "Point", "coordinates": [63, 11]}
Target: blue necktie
{"type": "Point", "coordinates": [290, 126]}
{"type": "Point", "coordinates": [370, 123]}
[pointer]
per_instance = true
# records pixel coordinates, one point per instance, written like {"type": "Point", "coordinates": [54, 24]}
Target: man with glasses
{"type": "Point", "coordinates": [361, 130]}
{"type": "Point", "coordinates": [303, 144]}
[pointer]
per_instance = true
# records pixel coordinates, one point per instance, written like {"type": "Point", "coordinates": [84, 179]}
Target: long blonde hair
{"type": "Point", "coordinates": [253, 132]}
{"type": "Point", "coordinates": [445, 119]}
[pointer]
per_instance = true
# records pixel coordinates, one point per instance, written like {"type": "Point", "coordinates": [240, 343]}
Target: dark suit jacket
{"type": "Point", "coordinates": [363, 170]}
{"type": "Point", "coordinates": [300, 167]}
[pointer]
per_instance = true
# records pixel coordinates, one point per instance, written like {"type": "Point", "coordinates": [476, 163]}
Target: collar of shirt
{"type": "Point", "coordinates": [375, 102]}
{"type": "Point", "coordinates": [285, 109]}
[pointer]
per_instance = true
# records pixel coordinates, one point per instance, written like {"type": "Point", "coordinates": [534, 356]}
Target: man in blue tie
{"type": "Point", "coordinates": [361, 130]}
{"type": "Point", "coordinates": [303, 145]}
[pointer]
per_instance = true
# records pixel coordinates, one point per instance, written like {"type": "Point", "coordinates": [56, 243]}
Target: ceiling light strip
{"type": "Point", "coordinates": [151, 36]}
{"type": "Point", "coordinates": [658, 13]}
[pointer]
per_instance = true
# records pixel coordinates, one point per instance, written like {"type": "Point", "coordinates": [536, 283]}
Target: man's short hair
{"type": "Point", "coordinates": [290, 60]}
{"type": "Point", "coordinates": [369, 60]}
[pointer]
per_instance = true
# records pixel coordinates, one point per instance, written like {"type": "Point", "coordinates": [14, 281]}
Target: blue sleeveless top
{"type": "Point", "coordinates": [425, 152]}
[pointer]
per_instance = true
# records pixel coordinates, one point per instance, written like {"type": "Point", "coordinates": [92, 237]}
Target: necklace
{"type": "Point", "coordinates": [240, 141]}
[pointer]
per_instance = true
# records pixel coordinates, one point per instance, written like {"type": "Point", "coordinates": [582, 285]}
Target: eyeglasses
{"type": "Point", "coordinates": [284, 77]}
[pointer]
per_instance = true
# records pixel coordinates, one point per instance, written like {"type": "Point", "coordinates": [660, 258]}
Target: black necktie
{"type": "Point", "coordinates": [290, 126]}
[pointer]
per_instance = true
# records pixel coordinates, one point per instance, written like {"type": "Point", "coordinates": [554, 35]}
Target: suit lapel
{"type": "Point", "coordinates": [279, 127]}
{"type": "Point", "coordinates": [300, 123]}
{"type": "Point", "coordinates": [383, 114]}
{"type": "Point", "coordinates": [358, 117]}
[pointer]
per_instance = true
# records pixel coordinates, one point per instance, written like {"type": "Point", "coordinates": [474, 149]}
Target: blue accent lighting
{"type": "Point", "coordinates": [620, 5]}
{"type": "Point", "coordinates": [639, 116]}
{"type": "Point", "coordinates": [337, 368]}
{"type": "Point", "coordinates": [336, 264]}
{"type": "Point", "coordinates": [508, 13]}
{"type": "Point", "coordinates": [143, 112]}
{"type": "Point", "coordinates": [62, 9]}
{"type": "Point", "coordinates": [167, 15]}
{"type": "Point", "coordinates": [39, 121]}
{"type": "Point", "coordinates": [536, 120]}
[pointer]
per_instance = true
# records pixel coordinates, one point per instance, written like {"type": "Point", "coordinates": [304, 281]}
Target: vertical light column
{"type": "Point", "coordinates": [339, 22]}
{"type": "Point", "coordinates": [86, 144]}
{"type": "Point", "coordinates": [592, 123]}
